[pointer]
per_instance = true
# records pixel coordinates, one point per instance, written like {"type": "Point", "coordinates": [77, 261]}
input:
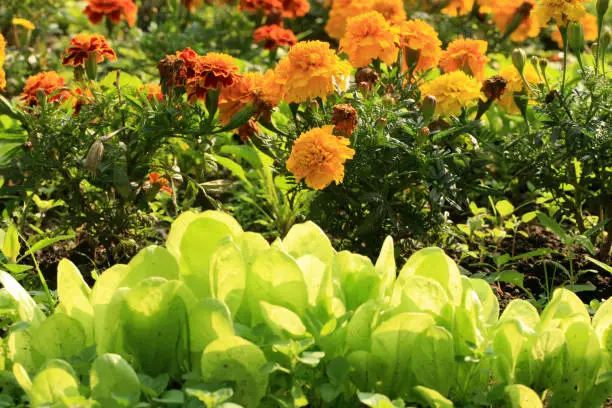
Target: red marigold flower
{"type": "Point", "coordinates": [85, 46]}
{"type": "Point", "coordinates": [212, 71]}
{"type": "Point", "coordinates": [49, 82]}
{"type": "Point", "coordinates": [115, 10]}
{"type": "Point", "coordinates": [288, 8]}
{"type": "Point", "coordinates": [156, 180]}
{"type": "Point", "coordinates": [274, 36]}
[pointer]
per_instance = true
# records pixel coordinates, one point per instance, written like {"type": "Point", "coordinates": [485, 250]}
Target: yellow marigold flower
{"type": "Point", "coordinates": [318, 156]}
{"type": "Point", "coordinates": [310, 70]}
{"type": "Point", "coordinates": [2, 58]}
{"type": "Point", "coordinates": [466, 55]}
{"type": "Point", "coordinates": [234, 98]}
{"type": "Point", "coordinates": [453, 91]}
{"type": "Point", "coordinates": [341, 11]}
{"type": "Point", "coordinates": [561, 11]}
{"type": "Point", "coordinates": [392, 10]}
{"type": "Point", "coordinates": [589, 25]}
{"type": "Point", "coordinates": [417, 35]}
{"type": "Point", "coordinates": [458, 7]}
{"type": "Point", "coordinates": [22, 22]}
{"type": "Point", "coordinates": [368, 37]}
{"type": "Point", "coordinates": [271, 88]}
{"type": "Point", "coordinates": [514, 85]}
{"type": "Point", "coordinates": [503, 15]}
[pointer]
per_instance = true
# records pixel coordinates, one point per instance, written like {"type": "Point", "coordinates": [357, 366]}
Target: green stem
{"type": "Point", "coordinates": [565, 48]}
{"type": "Point", "coordinates": [43, 281]}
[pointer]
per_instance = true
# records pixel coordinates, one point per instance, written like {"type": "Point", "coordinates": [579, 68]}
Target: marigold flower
{"type": "Point", "coordinates": [2, 59]}
{"type": "Point", "coordinates": [211, 71]}
{"type": "Point", "coordinates": [115, 10]}
{"type": "Point", "coordinates": [288, 8]}
{"type": "Point", "coordinates": [234, 98]}
{"type": "Point", "coordinates": [271, 92]}
{"type": "Point", "coordinates": [22, 22]}
{"type": "Point", "coordinates": [418, 36]}
{"type": "Point", "coordinates": [515, 84]}
{"type": "Point", "coordinates": [191, 5]}
{"type": "Point", "coordinates": [295, 8]}
{"type": "Point", "coordinates": [561, 11]}
{"type": "Point", "coordinates": [504, 13]}
{"type": "Point", "coordinates": [345, 119]}
{"type": "Point", "coordinates": [85, 46]}
{"type": "Point", "coordinates": [274, 36]}
{"type": "Point", "coordinates": [368, 37]}
{"type": "Point", "coordinates": [453, 91]}
{"type": "Point", "coordinates": [156, 180]}
{"type": "Point", "coordinates": [310, 70]}
{"type": "Point", "coordinates": [589, 25]}
{"type": "Point", "coordinates": [341, 11]}
{"type": "Point", "coordinates": [153, 91]}
{"type": "Point", "coordinates": [49, 82]}
{"type": "Point", "coordinates": [458, 7]}
{"type": "Point", "coordinates": [80, 99]}
{"type": "Point", "coordinates": [466, 55]}
{"type": "Point", "coordinates": [318, 157]}
{"type": "Point", "coordinates": [392, 10]}
{"type": "Point", "coordinates": [494, 87]}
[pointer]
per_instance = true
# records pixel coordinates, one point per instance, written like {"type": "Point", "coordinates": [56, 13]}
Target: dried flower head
{"type": "Point", "coordinates": [345, 119]}
{"type": "Point", "coordinates": [494, 87]}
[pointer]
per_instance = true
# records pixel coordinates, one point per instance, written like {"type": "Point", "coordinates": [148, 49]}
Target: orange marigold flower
{"type": "Point", "coordinates": [2, 58]}
{"type": "Point", "coordinates": [310, 70]}
{"type": "Point", "coordinates": [234, 98]}
{"type": "Point", "coordinates": [153, 91]}
{"type": "Point", "coordinates": [345, 119]}
{"type": "Point", "coordinates": [504, 13]}
{"type": "Point", "coordinates": [271, 92]}
{"type": "Point", "coordinates": [49, 82]}
{"type": "Point", "coordinates": [392, 10]}
{"type": "Point", "coordinates": [287, 8]}
{"type": "Point", "coordinates": [115, 10]}
{"type": "Point", "coordinates": [589, 25]}
{"type": "Point", "coordinates": [453, 91]}
{"type": "Point", "coordinates": [22, 22]}
{"type": "Point", "coordinates": [368, 37]}
{"type": "Point", "coordinates": [192, 5]}
{"type": "Point", "coordinates": [341, 11]}
{"type": "Point", "coordinates": [458, 7]}
{"type": "Point", "coordinates": [295, 8]}
{"type": "Point", "coordinates": [466, 55]}
{"type": "Point", "coordinates": [157, 181]}
{"type": "Point", "coordinates": [318, 156]}
{"type": "Point", "coordinates": [85, 46]}
{"type": "Point", "coordinates": [515, 84]}
{"type": "Point", "coordinates": [561, 11]}
{"type": "Point", "coordinates": [418, 36]}
{"type": "Point", "coordinates": [274, 36]}
{"type": "Point", "coordinates": [211, 71]}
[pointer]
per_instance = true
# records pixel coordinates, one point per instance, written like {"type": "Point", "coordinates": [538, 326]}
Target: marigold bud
{"type": "Point", "coordinates": [604, 40]}
{"type": "Point", "coordinates": [575, 37]}
{"type": "Point", "coordinates": [429, 107]}
{"type": "Point", "coordinates": [345, 119]}
{"type": "Point", "coordinates": [494, 87]}
{"type": "Point", "coordinates": [94, 156]}
{"type": "Point", "coordinates": [412, 57]}
{"type": "Point", "coordinates": [602, 9]}
{"type": "Point", "coordinates": [542, 63]}
{"type": "Point", "coordinates": [519, 59]}
{"type": "Point", "coordinates": [41, 96]}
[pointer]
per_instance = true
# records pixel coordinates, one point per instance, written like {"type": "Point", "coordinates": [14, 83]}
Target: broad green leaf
{"type": "Point", "coordinates": [358, 278]}
{"type": "Point", "coordinates": [319, 285]}
{"type": "Point", "coordinates": [209, 320]}
{"type": "Point", "coordinates": [19, 349]}
{"type": "Point", "coordinates": [433, 359]}
{"type": "Point", "coordinates": [11, 246]}
{"type": "Point", "coordinates": [376, 400]}
{"type": "Point", "coordinates": [125, 81]}
{"type": "Point", "coordinates": [23, 379]}
{"type": "Point", "coordinates": [490, 303]}
{"type": "Point", "coordinates": [507, 343]}
{"type": "Point", "coordinates": [235, 168]}
{"type": "Point", "coordinates": [153, 261]}
{"type": "Point", "coordinates": [103, 291]}
{"type": "Point", "coordinates": [361, 326]}
{"type": "Point", "coordinates": [111, 377]}
{"type": "Point", "coordinates": [46, 242]}
{"type": "Point", "coordinates": [228, 275]}
{"type": "Point", "coordinates": [283, 321]}
{"type": "Point", "coordinates": [545, 359]}
{"type": "Point", "coordinates": [419, 294]}
{"type": "Point", "coordinates": [154, 322]}
{"type": "Point", "coordinates": [523, 311]}
{"type": "Point", "coordinates": [504, 208]}
{"type": "Point", "coordinates": [563, 305]}
{"type": "Point", "coordinates": [602, 324]}
{"type": "Point", "coordinates": [433, 263]}
{"type": "Point", "coordinates": [28, 309]}
{"type": "Point", "coordinates": [520, 396]}
{"type": "Point", "coordinates": [59, 337]}
{"type": "Point", "coordinates": [548, 222]}
{"type": "Point", "coordinates": [107, 324]}
{"type": "Point", "coordinates": [52, 385]}
{"type": "Point", "coordinates": [241, 362]}
{"type": "Point", "coordinates": [308, 239]}
{"type": "Point", "coordinates": [74, 297]}
{"type": "Point", "coordinates": [385, 266]}
{"type": "Point", "coordinates": [583, 355]}
{"type": "Point", "coordinates": [432, 398]}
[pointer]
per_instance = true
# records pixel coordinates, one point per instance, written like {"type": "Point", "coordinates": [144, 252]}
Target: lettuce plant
{"type": "Point", "coordinates": [221, 318]}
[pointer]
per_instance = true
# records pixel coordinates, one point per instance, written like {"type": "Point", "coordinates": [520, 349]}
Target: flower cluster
{"type": "Point", "coordinates": [286, 8]}
{"type": "Point", "coordinates": [114, 10]}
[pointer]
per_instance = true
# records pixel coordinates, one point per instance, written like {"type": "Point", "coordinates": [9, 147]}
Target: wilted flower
{"type": "Point", "coordinates": [191, 5]}
{"type": "Point", "coordinates": [494, 87]}
{"type": "Point", "coordinates": [466, 55]}
{"type": "Point", "coordinates": [318, 157]}
{"type": "Point", "coordinates": [94, 156]}
{"type": "Point", "coordinates": [50, 83]}
{"type": "Point", "coordinates": [211, 71]}
{"type": "Point", "coordinates": [115, 10]}
{"type": "Point", "coordinates": [345, 119]}
{"type": "Point", "coordinates": [287, 8]}
{"type": "Point", "coordinates": [85, 46]}
{"type": "Point", "coordinates": [80, 99]}
{"type": "Point", "coordinates": [274, 36]}
{"type": "Point", "coordinates": [248, 130]}
{"type": "Point", "coordinates": [418, 36]}
{"type": "Point", "coordinates": [453, 91]}
{"type": "Point", "coordinates": [366, 77]}
{"type": "Point", "coordinates": [368, 37]}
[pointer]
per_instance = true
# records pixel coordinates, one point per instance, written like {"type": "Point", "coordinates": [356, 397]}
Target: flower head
{"type": "Point", "coordinates": [515, 84]}
{"type": "Point", "coordinates": [2, 58]}
{"type": "Point", "coordinates": [458, 7]}
{"type": "Point", "coordinates": [418, 36]}
{"type": "Point", "coordinates": [234, 98]}
{"type": "Point", "coordinates": [392, 10]}
{"type": "Point", "coordinates": [589, 25]}
{"type": "Point", "coordinates": [310, 70]}
{"type": "Point", "coordinates": [368, 37]}
{"type": "Point", "coordinates": [115, 10]}
{"type": "Point", "coordinates": [23, 23]}
{"type": "Point", "coordinates": [85, 46]}
{"type": "Point", "coordinates": [453, 91]}
{"type": "Point", "coordinates": [561, 11]}
{"type": "Point", "coordinates": [345, 119]}
{"type": "Point", "coordinates": [504, 13]}
{"type": "Point", "coordinates": [341, 11]}
{"type": "Point", "coordinates": [466, 55]}
{"type": "Point", "coordinates": [287, 8]}
{"type": "Point", "coordinates": [274, 36]}
{"type": "Point", "coordinates": [153, 91]}
{"type": "Point", "coordinates": [80, 99]}
{"type": "Point", "coordinates": [211, 71]}
{"type": "Point", "coordinates": [49, 82]}
{"type": "Point", "coordinates": [318, 156]}
{"type": "Point", "coordinates": [155, 180]}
